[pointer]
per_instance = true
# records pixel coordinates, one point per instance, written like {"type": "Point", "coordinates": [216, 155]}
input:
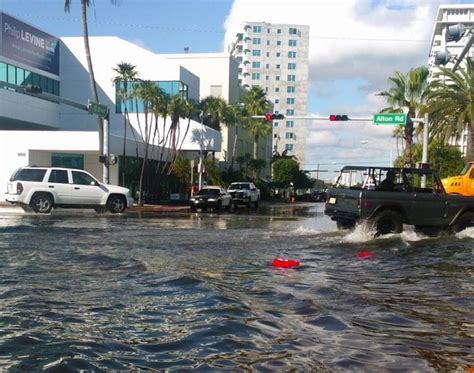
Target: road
{"type": "Point", "coordinates": [198, 291]}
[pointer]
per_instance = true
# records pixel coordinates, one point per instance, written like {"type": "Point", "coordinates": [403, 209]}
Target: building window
{"type": "Point", "coordinates": [268, 30]}
{"type": "Point", "coordinates": [267, 77]}
{"type": "Point", "coordinates": [278, 66]}
{"type": "Point", "coordinates": [268, 42]}
{"type": "Point", "coordinates": [291, 89]}
{"type": "Point", "coordinates": [257, 29]}
{"type": "Point", "coordinates": [267, 66]}
{"type": "Point", "coordinates": [292, 43]}
{"type": "Point", "coordinates": [292, 31]}
{"type": "Point", "coordinates": [292, 66]}
{"type": "Point", "coordinates": [3, 72]}
{"type": "Point", "coordinates": [279, 31]}
{"type": "Point", "coordinates": [291, 54]}
{"type": "Point", "coordinates": [268, 54]}
{"type": "Point", "coordinates": [256, 41]}
{"type": "Point", "coordinates": [278, 54]}
{"type": "Point", "coordinates": [289, 135]}
{"type": "Point", "coordinates": [290, 100]}
{"type": "Point", "coordinates": [256, 64]}
{"type": "Point", "coordinates": [21, 77]}
{"type": "Point", "coordinates": [69, 160]}
{"type": "Point", "coordinates": [277, 77]}
{"type": "Point", "coordinates": [256, 52]}
{"type": "Point", "coordinates": [290, 112]}
{"type": "Point", "coordinates": [275, 124]}
{"type": "Point", "coordinates": [278, 42]}
{"type": "Point", "coordinates": [289, 147]}
{"type": "Point", "coordinates": [277, 89]}
{"type": "Point", "coordinates": [290, 124]}
{"type": "Point", "coordinates": [292, 78]}
{"type": "Point", "coordinates": [277, 101]}
{"type": "Point", "coordinates": [255, 76]}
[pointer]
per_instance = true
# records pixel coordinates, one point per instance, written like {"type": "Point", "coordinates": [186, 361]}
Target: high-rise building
{"type": "Point", "coordinates": [275, 57]}
{"type": "Point", "coordinates": [451, 45]}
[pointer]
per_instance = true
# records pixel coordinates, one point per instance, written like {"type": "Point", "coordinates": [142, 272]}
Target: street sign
{"type": "Point", "coordinates": [98, 109]}
{"type": "Point", "coordinates": [398, 118]}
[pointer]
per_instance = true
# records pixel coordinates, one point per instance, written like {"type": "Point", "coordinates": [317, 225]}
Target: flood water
{"type": "Point", "coordinates": [182, 291]}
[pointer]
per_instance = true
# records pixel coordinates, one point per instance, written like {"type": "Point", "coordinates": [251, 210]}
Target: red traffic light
{"type": "Point", "coordinates": [271, 116]}
{"type": "Point", "coordinates": [338, 117]}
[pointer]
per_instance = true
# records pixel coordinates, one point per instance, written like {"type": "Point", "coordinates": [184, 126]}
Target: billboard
{"type": "Point", "coordinates": [25, 44]}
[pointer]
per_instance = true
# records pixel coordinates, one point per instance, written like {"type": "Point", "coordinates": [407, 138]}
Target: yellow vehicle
{"type": "Point", "coordinates": [462, 184]}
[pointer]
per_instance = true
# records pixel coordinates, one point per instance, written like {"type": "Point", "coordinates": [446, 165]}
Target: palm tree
{"type": "Point", "coordinates": [451, 104]}
{"type": "Point", "coordinates": [407, 92]}
{"type": "Point", "coordinates": [93, 86]}
{"type": "Point", "coordinates": [125, 72]}
{"type": "Point", "coordinates": [255, 103]}
{"type": "Point", "coordinates": [398, 133]}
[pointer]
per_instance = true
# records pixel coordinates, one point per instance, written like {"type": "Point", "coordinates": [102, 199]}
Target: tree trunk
{"type": "Point", "coordinates": [470, 143]}
{"type": "Point", "coordinates": [255, 147]}
{"type": "Point", "coordinates": [409, 128]}
{"type": "Point", "coordinates": [93, 86]}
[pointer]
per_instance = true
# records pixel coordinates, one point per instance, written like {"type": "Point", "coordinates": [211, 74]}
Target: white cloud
{"type": "Point", "coordinates": [359, 40]}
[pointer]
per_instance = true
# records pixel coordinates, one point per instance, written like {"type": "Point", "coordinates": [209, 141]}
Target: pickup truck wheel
{"type": "Point", "coordinates": [386, 222]}
{"type": "Point", "coordinates": [116, 204]}
{"type": "Point", "coordinates": [345, 224]}
{"type": "Point", "coordinates": [42, 203]}
{"type": "Point", "coordinates": [466, 220]}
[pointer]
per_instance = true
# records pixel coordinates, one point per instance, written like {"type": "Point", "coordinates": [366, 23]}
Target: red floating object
{"type": "Point", "coordinates": [285, 263]}
{"type": "Point", "coordinates": [365, 254]}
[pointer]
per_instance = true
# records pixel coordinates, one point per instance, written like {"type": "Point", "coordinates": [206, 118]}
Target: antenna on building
{"type": "Point", "coordinates": [186, 49]}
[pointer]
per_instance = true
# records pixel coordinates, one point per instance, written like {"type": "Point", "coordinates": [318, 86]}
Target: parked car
{"type": "Point", "coordinates": [45, 188]}
{"type": "Point", "coordinates": [244, 193]}
{"type": "Point", "coordinates": [213, 197]}
{"type": "Point", "coordinates": [318, 196]}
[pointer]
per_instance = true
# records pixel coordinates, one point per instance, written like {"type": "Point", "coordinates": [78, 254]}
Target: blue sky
{"type": "Point", "coordinates": [355, 46]}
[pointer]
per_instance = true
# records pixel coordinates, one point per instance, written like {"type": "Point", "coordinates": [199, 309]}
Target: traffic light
{"type": "Point", "coordinates": [454, 32]}
{"type": "Point", "coordinates": [271, 116]}
{"type": "Point", "coordinates": [33, 88]}
{"type": "Point", "coordinates": [442, 58]}
{"type": "Point", "coordinates": [338, 117]}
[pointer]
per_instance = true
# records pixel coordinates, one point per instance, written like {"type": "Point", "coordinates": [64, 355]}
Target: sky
{"type": "Point", "coordinates": [355, 46]}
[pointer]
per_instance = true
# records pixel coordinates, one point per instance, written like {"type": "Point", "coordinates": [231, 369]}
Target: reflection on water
{"type": "Point", "coordinates": [197, 291]}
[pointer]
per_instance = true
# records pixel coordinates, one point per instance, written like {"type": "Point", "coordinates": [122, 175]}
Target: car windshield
{"type": "Point", "coordinates": [28, 174]}
{"type": "Point", "coordinates": [209, 191]}
{"type": "Point", "coordinates": [239, 186]}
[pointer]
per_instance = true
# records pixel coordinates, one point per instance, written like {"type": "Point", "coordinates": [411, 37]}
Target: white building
{"type": "Point", "coordinates": [44, 129]}
{"type": "Point", "coordinates": [452, 54]}
{"type": "Point", "coordinates": [218, 74]}
{"type": "Point", "coordinates": [275, 57]}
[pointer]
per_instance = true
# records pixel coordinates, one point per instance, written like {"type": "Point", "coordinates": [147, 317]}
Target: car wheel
{"type": "Point", "coordinates": [466, 220]}
{"type": "Point", "coordinates": [343, 224]}
{"type": "Point", "coordinates": [42, 203]}
{"type": "Point", "coordinates": [386, 222]}
{"type": "Point", "coordinates": [116, 204]}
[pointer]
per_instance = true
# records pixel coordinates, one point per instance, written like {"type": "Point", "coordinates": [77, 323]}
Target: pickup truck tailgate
{"type": "Point", "coordinates": [343, 203]}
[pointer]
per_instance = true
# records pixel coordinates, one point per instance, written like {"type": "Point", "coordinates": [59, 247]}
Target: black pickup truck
{"type": "Point", "coordinates": [410, 196]}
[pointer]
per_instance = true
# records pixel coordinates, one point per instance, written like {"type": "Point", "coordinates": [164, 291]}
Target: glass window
{"type": "Point", "coordinates": [277, 77]}
{"type": "Point", "coordinates": [291, 54]}
{"type": "Point", "coordinates": [290, 112]}
{"type": "Point", "coordinates": [278, 54]}
{"type": "Point", "coordinates": [11, 74]}
{"type": "Point", "coordinates": [29, 174]}
{"type": "Point", "coordinates": [268, 54]}
{"type": "Point", "coordinates": [267, 77]}
{"type": "Point", "coordinates": [290, 100]}
{"type": "Point", "coordinates": [290, 89]}
{"type": "Point", "coordinates": [28, 77]}
{"type": "Point", "coordinates": [255, 76]}
{"type": "Point", "coordinates": [292, 43]}
{"type": "Point", "coordinates": [35, 79]}
{"type": "Point", "coordinates": [257, 28]}
{"type": "Point", "coordinates": [256, 52]}
{"type": "Point", "coordinates": [278, 42]}
{"type": "Point", "coordinates": [288, 135]}
{"type": "Point", "coordinates": [3, 72]}
{"type": "Point", "coordinates": [289, 147]}
{"type": "Point", "coordinates": [290, 124]}
{"type": "Point", "coordinates": [277, 101]}
{"type": "Point", "coordinates": [55, 87]}
{"type": "Point", "coordinates": [267, 66]}
{"type": "Point", "coordinates": [255, 64]}
{"type": "Point", "coordinates": [292, 31]}
{"type": "Point", "coordinates": [278, 66]}
{"type": "Point", "coordinates": [292, 78]}
{"type": "Point", "coordinates": [257, 41]}
{"type": "Point", "coordinates": [277, 89]}
{"type": "Point", "coordinates": [268, 42]}
{"type": "Point", "coordinates": [81, 178]}
{"type": "Point", "coordinates": [292, 66]}
{"type": "Point", "coordinates": [268, 30]}
{"type": "Point", "coordinates": [279, 31]}
{"type": "Point", "coordinates": [58, 176]}
{"type": "Point", "coordinates": [69, 160]}
{"type": "Point", "coordinates": [20, 76]}
{"type": "Point", "coordinates": [275, 124]}
{"type": "Point", "coordinates": [43, 83]}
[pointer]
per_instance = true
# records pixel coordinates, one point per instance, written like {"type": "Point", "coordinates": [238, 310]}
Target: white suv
{"type": "Point", "coordinates": [43, 188]}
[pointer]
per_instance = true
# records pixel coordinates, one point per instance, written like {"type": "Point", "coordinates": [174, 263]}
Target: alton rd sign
{"type": "Point", "coordinates": [385, 118]}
